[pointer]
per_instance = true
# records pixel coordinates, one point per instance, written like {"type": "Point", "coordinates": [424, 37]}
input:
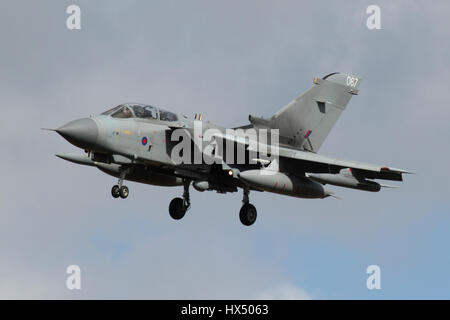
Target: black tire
{"type": "Point", "coordinates": [177, 209]}
{"type": "Point", "coordinates": [248, 214]}
{"type": "Point", "coordinates": [115, 191]}
{"type": "Point", "coordinates": [124, 192]}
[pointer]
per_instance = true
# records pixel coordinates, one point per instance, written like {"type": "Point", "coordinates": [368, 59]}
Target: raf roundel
{"type": "Point", "coordinates": [144, 141]}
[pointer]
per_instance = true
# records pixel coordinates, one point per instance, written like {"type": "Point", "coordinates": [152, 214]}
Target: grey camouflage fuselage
{"type": "Point", "coordinates": [150, 145]}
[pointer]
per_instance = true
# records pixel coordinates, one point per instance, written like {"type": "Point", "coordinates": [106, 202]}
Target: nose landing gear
{"type": "Point", "coordinates": [115, 191]}
{"type": "Point", "coordinates": [119, 190]}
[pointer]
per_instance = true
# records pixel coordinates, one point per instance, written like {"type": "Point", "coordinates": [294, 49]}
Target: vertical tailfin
{"type": "Point", "coordinates": [306, 122]}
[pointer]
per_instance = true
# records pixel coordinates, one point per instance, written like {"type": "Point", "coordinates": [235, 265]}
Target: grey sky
{"type": "Point", "coordinates": [226, 59]}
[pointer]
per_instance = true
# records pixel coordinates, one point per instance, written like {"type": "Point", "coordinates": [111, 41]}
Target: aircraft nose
{"type": "Point", "coordinates": [82, 133]}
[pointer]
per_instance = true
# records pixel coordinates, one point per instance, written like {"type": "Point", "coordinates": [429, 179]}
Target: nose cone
{"type": "Point", "coordinates": [82, 133]}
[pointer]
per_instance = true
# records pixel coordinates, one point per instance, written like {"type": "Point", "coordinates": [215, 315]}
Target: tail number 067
{"type": "Point", "coordinates": [352, 81]}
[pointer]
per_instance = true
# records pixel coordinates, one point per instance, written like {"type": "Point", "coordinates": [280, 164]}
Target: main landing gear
{"type": "Point", "coordinates": [119, 190]}
{"type": "Point", "coordinates": [179, 206]}
{"type": "Point", "coordinates": [247, 214]}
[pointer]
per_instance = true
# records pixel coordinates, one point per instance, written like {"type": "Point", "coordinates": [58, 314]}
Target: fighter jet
{"type": "Point", "coordinates": [147, 144]}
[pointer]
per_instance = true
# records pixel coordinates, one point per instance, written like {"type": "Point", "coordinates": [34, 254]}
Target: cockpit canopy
{"type": "Point", "coordinates": [136, 110]}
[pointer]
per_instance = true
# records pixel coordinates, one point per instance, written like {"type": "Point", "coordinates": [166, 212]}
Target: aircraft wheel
{"type": "Point", "coordinates": [247, 215]}
{"type": "Point", "coordinates": [124, 192]}
{"type": "Point", "coordinates": [177, 209]}
{"type": "Point", "coordinates": [115, 191]}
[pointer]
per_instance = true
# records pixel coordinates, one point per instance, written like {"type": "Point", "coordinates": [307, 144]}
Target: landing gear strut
{"type": "Point", "coordinates": [119, 190]}
{"type": "Point", "coordinates": [247, 214]}
{"type": "Point", "coordinates": [179, 206]}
